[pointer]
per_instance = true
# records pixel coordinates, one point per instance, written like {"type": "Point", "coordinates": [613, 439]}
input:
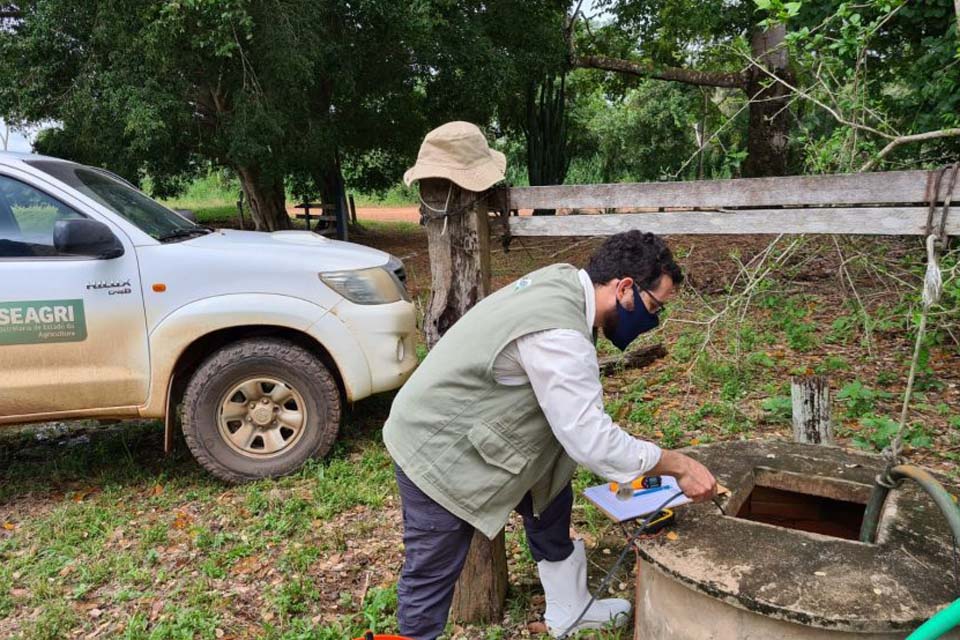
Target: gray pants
{"type": "Point", "coordinates": [436, 544]}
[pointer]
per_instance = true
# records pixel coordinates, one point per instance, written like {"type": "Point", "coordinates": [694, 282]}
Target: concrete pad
{"type": "Point", "coordinates": [735, 578]}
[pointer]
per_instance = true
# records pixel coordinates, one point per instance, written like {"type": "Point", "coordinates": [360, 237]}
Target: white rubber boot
{"type": "Point", "coordinates": [565, 588]}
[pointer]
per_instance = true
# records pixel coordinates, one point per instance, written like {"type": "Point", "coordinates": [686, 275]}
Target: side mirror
{"type": "Point", "coordinates": [189, 214]}
{"type": "Point", "coordinates": [85, 237]}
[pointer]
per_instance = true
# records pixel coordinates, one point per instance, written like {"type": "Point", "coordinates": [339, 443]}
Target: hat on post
{"type": "Point", "coordinates": [458, 151]}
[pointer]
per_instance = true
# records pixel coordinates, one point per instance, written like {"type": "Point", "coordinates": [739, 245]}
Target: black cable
{"type": "Point", "coordinates": [716, 501]}
{"type": "Point", "coordinates": [623, 554]}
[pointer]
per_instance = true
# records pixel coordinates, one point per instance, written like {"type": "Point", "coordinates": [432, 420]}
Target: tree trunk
{"type": "Point", "coordinates": [333, 191]}
{"type": "Point", "coordinates": [768, 134]}
{"type": "Point", "coordinates": [328, 180]}
{"type": "Point", "coordinates": [460, 268]}
{"type": "Point", "coordinates": [266, 198]}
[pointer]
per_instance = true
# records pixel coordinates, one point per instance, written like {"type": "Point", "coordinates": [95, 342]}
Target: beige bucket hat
{"type": "Point", "coordinates": [458, 151]}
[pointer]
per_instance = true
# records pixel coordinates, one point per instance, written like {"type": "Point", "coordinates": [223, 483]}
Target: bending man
{"type": "Point", "coordinates": [503, 409]}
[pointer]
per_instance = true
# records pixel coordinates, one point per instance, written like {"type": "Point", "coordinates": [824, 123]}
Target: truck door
{"type": "Point", "coordinates": [72, 328]}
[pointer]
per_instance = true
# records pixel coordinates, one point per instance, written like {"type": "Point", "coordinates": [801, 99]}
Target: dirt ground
{"type": "Point", "coordinates": [101, 537]}
{"type": "Point", "coordinates": [378, 214]}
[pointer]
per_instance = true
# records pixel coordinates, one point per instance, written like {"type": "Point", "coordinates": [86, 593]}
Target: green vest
{"type": "Point", "coordinates": [472, 444]}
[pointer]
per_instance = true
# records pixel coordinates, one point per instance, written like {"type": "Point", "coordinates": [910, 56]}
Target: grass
{"type": "Point", "coordinates": [153, 544]}
{"type": "Point", "coordinates": [216, 195]}
{"type": "Point", "coordinates": [152, 547]}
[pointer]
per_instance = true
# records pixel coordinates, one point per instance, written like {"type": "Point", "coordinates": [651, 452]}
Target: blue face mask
{"type": "Point", "coordinates": [631, 324]}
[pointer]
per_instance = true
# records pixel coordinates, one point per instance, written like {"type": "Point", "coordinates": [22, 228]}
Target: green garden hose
{"type": "Point", "coordinates": [939, 624]}
{"type": "Point", "coordinates": [949, 618]}
{"type": "Point", "coordinates": [887, 480]}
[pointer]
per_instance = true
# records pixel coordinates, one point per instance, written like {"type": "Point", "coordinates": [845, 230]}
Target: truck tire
{"type": "Point", "coordinates": [260, 408]}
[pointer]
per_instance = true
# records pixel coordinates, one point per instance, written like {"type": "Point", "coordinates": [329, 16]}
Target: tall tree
{"type": "Point", "coordinates": [692, 42]}
{"type": "Point", "coordinates": [261, 87]}
{"type": "Point", "coordinates": [286, 93]}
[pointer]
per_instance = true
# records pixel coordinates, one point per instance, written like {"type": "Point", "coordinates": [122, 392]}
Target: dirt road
{"type": "Point", "coordinates": [378, 214]}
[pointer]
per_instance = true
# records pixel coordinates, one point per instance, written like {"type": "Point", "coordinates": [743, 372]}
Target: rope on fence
{"type": "Point", "coordinates": [932, 289]}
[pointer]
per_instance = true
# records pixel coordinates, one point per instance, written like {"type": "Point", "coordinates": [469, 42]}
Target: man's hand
{"type": "Point", "coordinates": [695, 480]}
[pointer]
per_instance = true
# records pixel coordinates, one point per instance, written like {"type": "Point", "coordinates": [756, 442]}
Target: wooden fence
{"type": "Point", "coordinates": [886, 203]}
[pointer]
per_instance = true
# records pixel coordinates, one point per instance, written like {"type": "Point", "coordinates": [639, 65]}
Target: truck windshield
{"type": "Point", "coordinates": [150, 216]}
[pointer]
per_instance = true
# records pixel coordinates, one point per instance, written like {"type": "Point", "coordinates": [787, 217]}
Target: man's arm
{"type": "Point", "coordinates": [563, 371]}
{"type": "Point", "coordinates": [695, 480]}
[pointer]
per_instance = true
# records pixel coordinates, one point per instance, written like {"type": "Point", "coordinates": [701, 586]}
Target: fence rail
{"type": "Point", "coordinates": [881, 221]}
{"type": "Point", "coordinates": [889, 187]}
{"type": "Point", "coordinates": [883, 203]}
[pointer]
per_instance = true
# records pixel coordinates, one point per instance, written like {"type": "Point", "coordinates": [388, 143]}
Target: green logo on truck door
{"type": "Point", "coordinates": [42, 321]}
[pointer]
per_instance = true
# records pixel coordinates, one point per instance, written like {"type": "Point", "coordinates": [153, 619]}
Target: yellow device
{"type": "Point", "coordinates": [664, 518]}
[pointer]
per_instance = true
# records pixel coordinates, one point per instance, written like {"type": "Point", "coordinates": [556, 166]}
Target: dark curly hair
{"type": "Point", "coordinates": [641, 256]}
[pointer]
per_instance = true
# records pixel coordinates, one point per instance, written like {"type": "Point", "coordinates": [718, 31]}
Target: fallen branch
{"type": "Point", "coordinates": [916, 137]}
{"type": "Point", "coordinates": [675, 74]}
{"type": "Point", "coordinates": [636, 359]}
{"type": "Point", "coordinates": [569, 247]}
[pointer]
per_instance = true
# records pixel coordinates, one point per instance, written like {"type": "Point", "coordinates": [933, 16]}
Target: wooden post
{"type": "Point", "coordinates": [342, 214]}
{"type": "Point", "coordinates": [811, 409]}
{"type": "Point", "coordinates": [460, 269]}
{"type": "Point", "coordinates": [459, 256]}
{"type": "Point", "coordinates": [306, 214]}
{"type": "Point", "coordinates": [482, 587]}
{"type": "Point", "coordinates": [353, 210]}
{"type": "Point", "coordinates": [240, 209]}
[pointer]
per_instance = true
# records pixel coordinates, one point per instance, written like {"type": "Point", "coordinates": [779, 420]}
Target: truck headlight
{"type": "Point", "coordinates": [366, 286]}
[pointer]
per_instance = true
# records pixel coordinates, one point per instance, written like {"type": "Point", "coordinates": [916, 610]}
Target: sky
{"type": "Point", "coordinates": [587, 7]}
{"type": "Point", "coordinates": [17, 141]}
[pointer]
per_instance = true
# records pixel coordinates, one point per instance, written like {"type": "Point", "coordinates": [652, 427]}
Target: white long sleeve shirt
{"type": "Point", "coordinates": [561, 366]}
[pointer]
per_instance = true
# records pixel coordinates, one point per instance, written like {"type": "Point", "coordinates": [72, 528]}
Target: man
{"type": "Point", "coordinates": [500, 413]}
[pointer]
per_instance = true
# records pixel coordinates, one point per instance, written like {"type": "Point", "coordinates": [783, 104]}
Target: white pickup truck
{"type": "Point", "coordinates": [113, 306]}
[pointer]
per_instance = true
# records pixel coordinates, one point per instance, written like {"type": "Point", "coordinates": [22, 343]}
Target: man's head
{"type": "Point", "coordinates": [626, 265]}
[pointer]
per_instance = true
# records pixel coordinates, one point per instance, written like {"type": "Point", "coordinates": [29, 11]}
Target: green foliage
{"type": "Point", "coordinates": [663, 30]}
{"type": "Point", "coordinates": [288, 93]}
{"type": "Point", "coordinates": [214, 189]}
{"type": "Point", "coordinates": [673, 430]}
{"type": "Point", "coordinates": [546, 131]}
{"type": "Point", "coordinates": [761, 359]}
{"type": "Point", "coordinates": [842, 329]}
{"type": "Point", "coordinates": [877, 432]}
{"type": "Point", "coordinates": [182, 622]}
{"type": "Point", "coordinates": [860, 399]}
{"type": "Point", "coordinates": [831, 364]}
{"type": "Point", "coordinates": [780, 408]}
{"type": "Point", "coordinates": [643, 134]}
{"type": "Point", "coordinates": [799, 331]}
{"type": "Point", "coordinates": [686, 345]}
{"type": "Point", "coordinates": [886, 64]}
{"type": "Point", "coordinates": [886, 378]}
{"type": "Point", "coordinates": [294, 596]}
{"type": "Point", "coordinates": [52, 623]}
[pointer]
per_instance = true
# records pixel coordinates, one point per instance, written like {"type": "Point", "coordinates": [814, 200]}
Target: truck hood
{"type": "Point", "coordinates": [302, 247]}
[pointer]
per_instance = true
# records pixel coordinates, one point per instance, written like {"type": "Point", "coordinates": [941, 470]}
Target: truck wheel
{"type": "Point", "coordinates": [260, 408]}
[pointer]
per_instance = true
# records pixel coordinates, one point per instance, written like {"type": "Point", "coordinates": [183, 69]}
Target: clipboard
{"type": "Point", "coordinates": [618, 510]}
